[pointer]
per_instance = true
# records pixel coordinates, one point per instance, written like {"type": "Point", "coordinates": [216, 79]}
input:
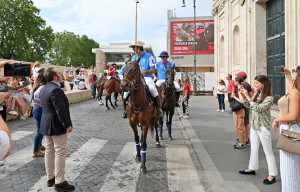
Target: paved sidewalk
{"type": "Point", "coordinates": [212, 135]}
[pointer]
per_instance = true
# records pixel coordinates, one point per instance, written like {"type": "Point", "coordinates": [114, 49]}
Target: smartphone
{"type": "Point", "coordinates": [17, 69]}
{"type": "Point", "coordinates": [243, 84]}
{"type": "Point", "coordinates": [278, 69]}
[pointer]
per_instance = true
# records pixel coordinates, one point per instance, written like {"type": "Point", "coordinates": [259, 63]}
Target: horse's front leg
{"type": "Point", "coordinates": [145, 127]}
{"type": "Point", "coordinates": [156, 133]}
{"type": "Point", "coordinates": [137, 141]}
{"type": "Point", "coordinates": [116, 99]}
{"type": "Point", "coordinates": [161, 123]}
{"type": "Point", "coordinates": [106, 99]}
{"type": "Point", "coordinates": [170, 124]}
{"type": "Point", "coordinates": [109, 98]}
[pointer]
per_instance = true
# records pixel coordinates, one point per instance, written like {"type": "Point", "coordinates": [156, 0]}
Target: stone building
{"type": "Point", "coordinates": [256, 35]}
{"type": "Point", "coordinates": [117, 53]}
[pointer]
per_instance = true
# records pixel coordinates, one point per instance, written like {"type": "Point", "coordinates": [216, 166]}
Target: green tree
{"type": "Point", "coordinates": [72, 49]}
{"type": "Point", "coordinates": [23, 33]}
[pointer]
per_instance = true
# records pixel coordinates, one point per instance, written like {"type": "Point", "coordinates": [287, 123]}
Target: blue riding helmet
{"type": "Point", "coordinates": [164, 54]}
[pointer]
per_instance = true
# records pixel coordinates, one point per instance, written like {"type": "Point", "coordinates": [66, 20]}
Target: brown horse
{"type": "Point", "coordinates": [140, 108]}
{"type": "Point", "coordinates": [110, 86]}
{"type": "Point", "coordinates": [168, 101]}
{"type": "Point", "coordinates": [98, 84]}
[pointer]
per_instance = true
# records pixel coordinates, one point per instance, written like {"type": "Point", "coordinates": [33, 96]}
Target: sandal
{"type": "Point", "coordinates": [42, 148]}
{"type": "Point", "coordinates": [37, 154]}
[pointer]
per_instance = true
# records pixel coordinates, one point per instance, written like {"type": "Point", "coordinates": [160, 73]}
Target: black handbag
{"type": "Point", "coordinates": [235, 105]}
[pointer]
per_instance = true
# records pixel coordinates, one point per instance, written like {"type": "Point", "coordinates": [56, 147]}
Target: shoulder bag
{"type": "Point", "coordinates": [289, 141]}
{"type": "Point", "coordinates": [235, 105]}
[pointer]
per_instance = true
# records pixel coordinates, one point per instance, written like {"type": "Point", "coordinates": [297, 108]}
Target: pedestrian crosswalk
{"type": "Point", "coordinates": [124, 173]}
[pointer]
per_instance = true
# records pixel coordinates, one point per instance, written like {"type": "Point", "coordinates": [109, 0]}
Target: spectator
{"type": "Point", "coordinates": [5, 141]}
{"type": "Point", "coordinates": [37, 114]}
{"type": "Point", "coordinates": [78, 78]}
{"type": "Point", "coordinates": [25, 94]}
{"type": "Point", "coordinates": [71, 69]}
{"type": "Point", "coordinates": [239, 116]}
{"type": "Point", "coordinates": [289, 107]}
{"type": "Point", "coordinates": [16, 99]}
{"type": "Point", "coordinates": [180, 85]}
{"type": "Point", "coordinates": [81, 85]}
{"type": "Point", "coordinates": [221, 90]}
{"type": "Point", "coordinates": [4, 97]}
{"type": "Point", "coordinates": [91, 82]}
{"type": "Point", "coordinates": [71, 83]}
{"type": "Point", "coordinates": [77, 71]}
{"type": "Point", "coordinates": [82, 67]}
{"type": "Point", "coordinates": [36, 68]}
{"type": "Point", "coordinates": [230, 89]}
{"type": "Point", "coordinates": [186, 97]}
{"type": "Point", "coordinates": [260, 104]}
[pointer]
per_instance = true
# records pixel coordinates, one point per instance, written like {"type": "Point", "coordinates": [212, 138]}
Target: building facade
{"type": "Point", "coordinates": [117, 53]}
{"type": "Point", "coordinates": [255, 36]}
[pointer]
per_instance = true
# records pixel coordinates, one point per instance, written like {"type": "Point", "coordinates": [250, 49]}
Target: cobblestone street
{"type": "Point", "coordinates": [100, 156]}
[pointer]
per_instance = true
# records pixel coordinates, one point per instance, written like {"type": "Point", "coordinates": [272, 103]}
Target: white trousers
{"type": "Point", "coordinates": [149, 81]}
{"type": "Point", "coordinates": [264, 136]}
{"type": "Point", "coordinates": [290, 166]}
{"type": "Point", "coordinates": [108, 77]}
{"type": "Point", "coordinates": [161, 81]}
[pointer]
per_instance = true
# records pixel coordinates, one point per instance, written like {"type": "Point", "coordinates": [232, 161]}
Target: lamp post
{"type": "Point", "coordinates": [195, 85]}
{"type": "Point", "coordinates": [136, 2]}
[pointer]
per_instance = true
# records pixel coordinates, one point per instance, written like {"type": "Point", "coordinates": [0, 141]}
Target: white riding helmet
{"type": "Point", "coordinates": [136, 43]}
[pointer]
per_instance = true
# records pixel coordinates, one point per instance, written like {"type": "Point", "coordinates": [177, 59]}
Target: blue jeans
{"type": "Point", "coordinates": [71, 86]}
{"type": "Point", "coordinates": [37, 114]}
{"type": "Point", "coordinates": [92, 89]}
{"type": "Point", "coordinates": [221, 101]}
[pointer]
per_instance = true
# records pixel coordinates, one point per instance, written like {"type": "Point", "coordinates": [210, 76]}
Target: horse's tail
{"type": "Point", "coordinates": [152, 126]}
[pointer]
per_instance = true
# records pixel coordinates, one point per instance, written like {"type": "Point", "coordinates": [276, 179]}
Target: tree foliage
{"type": "Point", "coordinates": [71, 49]}
{"type": "Point", "coordinates": [23, 33]}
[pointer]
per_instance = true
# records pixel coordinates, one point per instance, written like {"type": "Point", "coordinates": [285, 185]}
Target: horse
{"type": "Point", "coordinates": [168, 101]}
{"type": "Point", "coordinates": [110, 86]}
{"type": "Point", "coordinates": [140, 109]}
{"type": "Point", "coordinates": [98, 84]}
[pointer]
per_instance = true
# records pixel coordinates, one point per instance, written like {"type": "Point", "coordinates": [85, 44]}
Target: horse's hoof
{"type": "Point", "coordinates": [161, 137]}
{"type": "Point", "coordinates": [116, 105]}
{"type": "Point", "coordinates": [108, 108]}
{"type": "Point", "coordinates": [138, 159]}
{"type": "Point", "coordinates": [170, 138]}
{"type": "Point", "coordinates": [158, 145]}
{"type": "Point", "coordinates": [143, 168]}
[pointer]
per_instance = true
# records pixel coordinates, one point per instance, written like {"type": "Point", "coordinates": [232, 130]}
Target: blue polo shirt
{"type": "Point", "coordinates": [160, 67]}
{"type": "Point", "coordinates": [122, 70]}
{"type": "Point", "coordinates": [146, 63]}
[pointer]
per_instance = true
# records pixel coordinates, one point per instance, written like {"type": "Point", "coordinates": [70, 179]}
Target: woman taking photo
{"type": "Point", "coordinates": [37, 114]}
{"type": "Point", "coordinates": [221, 90]}
{"type": "Point", "coordinates": [260, 104]}
{"type": "Point", "coordinates": [289, 107]}
{"type": "Point", "coordinates": [186, 96]}
{"type": "Point", "coordinates": [239, 116]}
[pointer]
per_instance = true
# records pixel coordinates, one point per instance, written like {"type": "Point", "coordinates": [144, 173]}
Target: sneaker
{"type": "Point", "coordinates": [239, 146]}
{"type": "Point", "coordinates": [186, 117]}
{"type": "Point", "coordinates": [218, 110]}
{"type": "Point", "coordinates": [1, 163]}
{"type": "Point", "coordinates": [13, 113]}
{"type": "Point", "coordinates": [23, 117]}
{"type": "Point", "coordinates": [248, 142]}
{"type": "Point", "coordinates": [180, 116]}
{"type": "Point", "coordinates": [223, 110]}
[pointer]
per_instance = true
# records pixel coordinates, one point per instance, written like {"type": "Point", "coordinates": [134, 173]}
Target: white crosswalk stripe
{"type": "Point", "coordinates": [76, 162]}
{"type": "Point", "coordinates": [124, 173]}
{"type": "Point", "coordinates": [20, 134]}
{"type": "Point", "coordinates": [16, 161]}
{"type": "Point", "coordinates": [182, 174]}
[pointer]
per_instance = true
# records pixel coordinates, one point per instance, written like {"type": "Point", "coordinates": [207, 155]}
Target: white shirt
{"type": "Point", "coordinates": [4, 144]}
{"type": "Point", "coordinates": [221, 88]}
{"type": "Point", "coordinates": [81, 85]}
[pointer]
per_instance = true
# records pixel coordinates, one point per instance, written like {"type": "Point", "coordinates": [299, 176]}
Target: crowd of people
{"type": "Point", "coordinates": [251, 109]}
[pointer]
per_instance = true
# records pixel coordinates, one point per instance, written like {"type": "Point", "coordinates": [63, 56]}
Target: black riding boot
{"type": "Point", "coordinates": [177, 98]}
{"type": "Point", "coordinates": [158, 105]}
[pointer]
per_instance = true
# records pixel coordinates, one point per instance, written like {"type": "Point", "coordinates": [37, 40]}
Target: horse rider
{"type": "Point", "coordinates": [111, 70]}
{"type": "Point", "coordinates": [147, 67]}
{"type": "Point", "coordinates": [160, 77]}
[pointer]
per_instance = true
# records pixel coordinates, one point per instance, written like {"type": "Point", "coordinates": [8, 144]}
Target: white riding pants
{"type": "Point", "coordinates": [151, 85]}
{"type": "Point", "coordinates": [264, 136]}
{"type": "Point", "coordinates": [161, 81]}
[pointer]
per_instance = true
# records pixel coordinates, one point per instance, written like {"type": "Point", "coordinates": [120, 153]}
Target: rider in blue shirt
{"type": "Point", "coordinates": [147, 67]}
{"type": "Point", "coordinates": [160, 67]}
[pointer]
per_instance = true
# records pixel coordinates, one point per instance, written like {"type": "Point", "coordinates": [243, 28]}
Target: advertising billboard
{"type": "Point", "coordinates": [182, 37]}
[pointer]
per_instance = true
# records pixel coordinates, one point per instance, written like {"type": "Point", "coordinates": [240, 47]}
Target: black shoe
{"type": "Point", "coordinates": [239, 146]}
{"type": "Point", "coordinates": [177, 105]}
{"type": "Point", "coordinates": [51, 182]}
{"type": "Point", "coordinates": [247, 173]}
{"type": "Point", "coordinates": [64, 186]}
{"type": "Point", "coordinates": [248, 142]}
{"type": "Point", "coordinates": [268, 182]}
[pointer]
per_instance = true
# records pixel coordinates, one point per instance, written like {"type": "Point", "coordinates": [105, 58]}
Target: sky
{"type": "Point", "coordinates": [108, 21]}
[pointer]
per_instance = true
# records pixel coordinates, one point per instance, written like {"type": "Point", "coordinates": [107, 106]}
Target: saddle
{"type": "Point", "coordinates": [116, 78]}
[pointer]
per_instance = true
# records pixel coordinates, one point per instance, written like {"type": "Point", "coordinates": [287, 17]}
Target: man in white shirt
{"type": "Point", "coordinates": [81, 85]}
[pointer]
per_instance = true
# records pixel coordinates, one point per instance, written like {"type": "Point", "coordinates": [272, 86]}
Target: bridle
{"type": "Point", "coordinates": [133, 85]}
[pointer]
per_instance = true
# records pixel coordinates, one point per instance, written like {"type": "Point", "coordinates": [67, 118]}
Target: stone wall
{"type": "Point", "coordinates": [100, 61]}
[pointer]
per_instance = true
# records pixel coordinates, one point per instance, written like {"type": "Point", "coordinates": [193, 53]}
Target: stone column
{"type": "Point", "coordinates": [100, 61]}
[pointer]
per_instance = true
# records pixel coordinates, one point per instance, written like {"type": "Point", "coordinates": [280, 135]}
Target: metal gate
{"type": "Point", "coordinates": [276, 45]}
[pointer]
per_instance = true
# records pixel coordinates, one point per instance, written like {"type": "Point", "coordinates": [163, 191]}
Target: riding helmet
{"type": "Point", "coordinates": [164, 54]}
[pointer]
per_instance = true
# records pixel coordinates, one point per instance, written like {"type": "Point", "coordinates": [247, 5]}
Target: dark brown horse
{"type": "Point", "coordinates": [110, 86]}
{"type": "Point", "coordinates": [140, 108]}
{"type": "Point", "coordinates": [99, 84]}
{"type": "Point", "coordinates": [168, 101]}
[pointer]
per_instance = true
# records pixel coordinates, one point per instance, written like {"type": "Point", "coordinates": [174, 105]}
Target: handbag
{"type": "Point", "coordinates": [68, 78]}
{"type": "Point", "coordinates": [28, 112]}
{"type": "Point", "coordinates": [289, 141]}
{"type": "Point", "coordinates": [235, 105]}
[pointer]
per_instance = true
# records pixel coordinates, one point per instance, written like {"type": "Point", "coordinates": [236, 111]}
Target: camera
{"type": "Point", "coordinates": [17, 69]}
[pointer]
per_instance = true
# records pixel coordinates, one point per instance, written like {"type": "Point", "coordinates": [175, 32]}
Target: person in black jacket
{"type": "Point", "coordinates": [55, 125]}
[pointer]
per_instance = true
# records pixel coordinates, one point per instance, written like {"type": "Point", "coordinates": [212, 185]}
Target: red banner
{"type": "Point", "coordinates": [183, 38]}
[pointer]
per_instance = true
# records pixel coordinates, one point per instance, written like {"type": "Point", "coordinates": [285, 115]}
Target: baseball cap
{"type": "Point", "coordinates": [241, 74]}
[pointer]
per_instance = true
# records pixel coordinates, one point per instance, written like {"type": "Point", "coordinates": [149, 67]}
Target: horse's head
{"type": "Point", "coordinates": [169, 75]}
{"type": "Point", "coordinates": [131, 74]}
